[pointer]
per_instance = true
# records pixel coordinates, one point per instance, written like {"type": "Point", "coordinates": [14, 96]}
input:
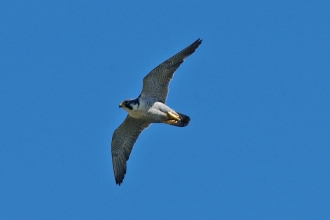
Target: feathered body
{"type": "Point", "coordinates": [143, 108]}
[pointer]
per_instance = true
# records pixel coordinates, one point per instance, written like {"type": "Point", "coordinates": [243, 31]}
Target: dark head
{"type": "Point", "coordinates": [129, 104]}
{"type": "Point", "coordinates": [125, 105]}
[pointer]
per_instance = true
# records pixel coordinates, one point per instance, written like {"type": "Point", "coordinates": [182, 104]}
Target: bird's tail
{"type": "Point", "coordinates": [177, 119]}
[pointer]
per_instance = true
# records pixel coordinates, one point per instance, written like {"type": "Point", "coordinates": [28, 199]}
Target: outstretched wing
{"type": "Point", "coordinates": [122, 143]}
{"type": "Point", "coordinates": [155, 84]}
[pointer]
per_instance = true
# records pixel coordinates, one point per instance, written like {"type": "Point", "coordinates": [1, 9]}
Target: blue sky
{"type": "Point", "coordinates": [257, 91]}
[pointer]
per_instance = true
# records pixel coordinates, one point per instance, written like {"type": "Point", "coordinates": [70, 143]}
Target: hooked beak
{"type": "Point", "coordinates": [120, 105]}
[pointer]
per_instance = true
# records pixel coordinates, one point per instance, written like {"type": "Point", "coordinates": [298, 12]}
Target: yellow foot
{"type": "Point", "coordinates": [171, 121]}
{"type": "Point", "coordinates": [173, 116]}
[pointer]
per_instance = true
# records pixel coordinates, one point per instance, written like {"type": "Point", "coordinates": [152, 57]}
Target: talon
{"type": "Point", "coordinates": [174, 116]}
{"type": "Point", "coordinates": [172, 121]}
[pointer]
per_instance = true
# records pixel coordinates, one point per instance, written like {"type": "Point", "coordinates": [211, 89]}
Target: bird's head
{"type": "Point", "coordinates": [129, 104]}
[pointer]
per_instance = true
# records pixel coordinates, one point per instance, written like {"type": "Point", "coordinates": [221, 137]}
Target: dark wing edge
{"type": "Point", "coordinates": [122, 143]}
{"type": "Point", "coordinates": [155, 84]}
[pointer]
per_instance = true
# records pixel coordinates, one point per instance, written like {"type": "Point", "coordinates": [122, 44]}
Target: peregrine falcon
{"type": "Point", "coordinates": [149, 107]}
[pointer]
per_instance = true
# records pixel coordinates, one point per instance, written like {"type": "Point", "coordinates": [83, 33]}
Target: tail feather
{"type": "Point", "coordinates": [184, 120]}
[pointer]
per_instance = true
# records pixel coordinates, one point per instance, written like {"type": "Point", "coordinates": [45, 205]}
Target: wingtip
{"type": "Point", "coordinates": [118, 169]}
{"type": "Point", "coordinates": [198, 41]}
{"type": "Point", "coordinates": [119, 182]}
{"type": "Point", "coordinates": [119, 179]}
{"type": "Point", "coordinates": [196, 44]}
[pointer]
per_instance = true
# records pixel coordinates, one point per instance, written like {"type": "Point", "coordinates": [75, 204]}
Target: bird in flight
{"type": "Point", "coordinates": [149, 107]}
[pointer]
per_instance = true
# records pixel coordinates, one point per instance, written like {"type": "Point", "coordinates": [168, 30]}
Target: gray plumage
{"type": "Point", "coordinates": [122, 144]}
{"type": "Point", "coordinates": [155, 84]}
{"type": "Point", "coordinates": [148, 108]}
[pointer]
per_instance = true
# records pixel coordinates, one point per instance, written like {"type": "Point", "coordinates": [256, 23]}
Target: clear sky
{"type": "Point", "coordinates": [257, 91]}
